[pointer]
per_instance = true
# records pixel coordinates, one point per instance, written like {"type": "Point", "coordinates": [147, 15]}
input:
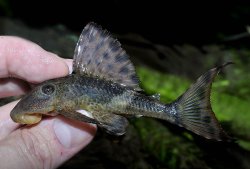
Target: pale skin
{"type": "Point", "coordinates": [54, 140]}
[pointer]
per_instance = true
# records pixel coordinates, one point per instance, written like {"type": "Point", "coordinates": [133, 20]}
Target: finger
{"type": "Point", "coordinates": [6, 123]}
{"type": "Point", "coordinates": [69, 62]}
{"type": "Point", "coordinates": [12, 87]}
{"type": "Point", "coordinates": [46, 145]}
{"type": "Point", "coordinates": [26, 60]}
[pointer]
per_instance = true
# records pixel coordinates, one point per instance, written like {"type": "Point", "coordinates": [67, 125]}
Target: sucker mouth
{"type": "Point", "coordinates": [31, 118]}
{"type": "Point", "coordinates": [27, 118]}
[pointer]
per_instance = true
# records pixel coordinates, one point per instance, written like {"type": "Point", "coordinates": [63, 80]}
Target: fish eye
{"type": "Point", "coordinates": [48, 89]}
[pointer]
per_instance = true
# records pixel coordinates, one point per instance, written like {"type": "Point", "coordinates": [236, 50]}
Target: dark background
{"type": "Point", "coordinates": [179, 38]}
{"type": "Point", "coordinates": [166, 22]}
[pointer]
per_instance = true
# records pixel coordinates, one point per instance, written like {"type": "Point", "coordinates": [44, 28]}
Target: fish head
{"type": "Point", "coordinates": [41, 100]}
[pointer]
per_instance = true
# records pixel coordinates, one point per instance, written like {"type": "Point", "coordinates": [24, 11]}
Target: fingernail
{"type": "Point", "coordinates": [68, 135]}
{"type": "Point", "coordinates": [69, 64]}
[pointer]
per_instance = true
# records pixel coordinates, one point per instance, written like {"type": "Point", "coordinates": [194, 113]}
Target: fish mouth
{"type": "Point", "coordinates": [27, 118]}
{"type": "Point", "coordinates": [31, 118]}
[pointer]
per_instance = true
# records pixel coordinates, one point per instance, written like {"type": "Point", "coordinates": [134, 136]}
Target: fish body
{"type": "Point", "coordinates": [104, 90]}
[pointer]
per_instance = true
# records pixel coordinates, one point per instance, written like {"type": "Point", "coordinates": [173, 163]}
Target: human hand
{"type": "Point", "coordinates": [54, 140]}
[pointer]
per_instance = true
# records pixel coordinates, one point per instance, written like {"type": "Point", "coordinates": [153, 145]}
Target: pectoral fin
{"type": "Point", "coordinates": [112, 123]}
{"type": "Point", "coordinates": [79, 116]}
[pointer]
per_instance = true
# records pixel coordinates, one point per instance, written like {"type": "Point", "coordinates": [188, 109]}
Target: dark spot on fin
{"type": "Point", "coordinates": [112, 123]}
{"type": "Point", "coordinates": [207, 119]}
{"type": "Point", "coordinates": [124, 70]}
{"type": "Point", "coordinates": [115, 46]}
{"type": "Point", "coordinates": [106, 56]}
{"type": "Point", "coordinates": [135, 79]}
{"type": "Point", "coordinates": [121, 58]}
{"type": "Point", "coordinates": [97, 53]}
{"type": "Point", "coordinates": [194, 111]}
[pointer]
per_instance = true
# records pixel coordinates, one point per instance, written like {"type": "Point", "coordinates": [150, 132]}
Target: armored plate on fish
{"type": "Point", "coordinates": [104, 89]}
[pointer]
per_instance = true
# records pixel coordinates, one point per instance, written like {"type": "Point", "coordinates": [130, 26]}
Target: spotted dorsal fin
{"type": "Point", "coordinates": [97, 53]}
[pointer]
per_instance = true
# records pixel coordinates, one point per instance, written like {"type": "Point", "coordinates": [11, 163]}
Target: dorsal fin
{"type": "Point", "coordinates": [97, 53]}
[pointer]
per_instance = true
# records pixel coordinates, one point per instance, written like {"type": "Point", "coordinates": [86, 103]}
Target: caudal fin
{"type": "Point", "coordinates": [194, 108]}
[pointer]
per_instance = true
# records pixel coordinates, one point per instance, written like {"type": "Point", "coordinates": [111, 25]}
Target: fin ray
{"type": "Point", "coordinates": [112, 123]}
{"type": "Point", "coordinates": [76, 115]}
{"type": "Point", "coordinates": [97, 53]}
{"type": "Point", "coordinates": [194, 108]}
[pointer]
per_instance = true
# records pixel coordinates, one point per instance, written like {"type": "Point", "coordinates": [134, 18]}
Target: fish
{"type": "Point", "coordinates": [104, 90]}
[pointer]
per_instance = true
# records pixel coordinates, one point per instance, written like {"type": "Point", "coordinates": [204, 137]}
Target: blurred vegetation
{"type": "Point", "coordinates": [170, 149]}
{"type": "Point", "coordinates": [230, 101]}
{"type": "Point", "coordinates": [239, 76]}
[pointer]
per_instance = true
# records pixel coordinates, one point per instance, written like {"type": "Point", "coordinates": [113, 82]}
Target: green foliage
{"type": "Point", "coordinates": [231, 108]}
{"type": "Point", "coordinates": [169, 86]}
{"type": "Point", "coordinates": [239, 75]}
{"type": "Point", "coordinates": [172, 150]}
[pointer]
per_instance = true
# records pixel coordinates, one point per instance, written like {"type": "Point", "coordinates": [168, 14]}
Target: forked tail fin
{"type": "Point", "coordinates": [194, 110]}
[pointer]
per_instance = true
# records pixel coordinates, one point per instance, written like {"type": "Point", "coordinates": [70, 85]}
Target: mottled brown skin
{"type": "Point", "coordinates": [107, 102]}
{"type": "Point", "coordinates": [104, 90]}
{"type": "Point", "coordinates": [92, 94]}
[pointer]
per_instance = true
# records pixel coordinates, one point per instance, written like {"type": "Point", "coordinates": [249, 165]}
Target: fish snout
{"type": "Point", "coordinates": [18, 115]}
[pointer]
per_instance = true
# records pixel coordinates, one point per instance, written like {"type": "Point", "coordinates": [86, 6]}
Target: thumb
{"type": "Point", "coordinates": [46, 145]}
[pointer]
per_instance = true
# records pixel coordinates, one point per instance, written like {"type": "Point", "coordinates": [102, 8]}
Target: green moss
{"type": "Point", "coordinates": [232, 111]}
{"type": "Point", "coordinates": [239, 75]}
{"type": "Point", "coordinates": [169, 86]}
{"type": "Point", "coordinates": [172, 150]}
{"type": "Point", "coordinates": [244, 144]}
